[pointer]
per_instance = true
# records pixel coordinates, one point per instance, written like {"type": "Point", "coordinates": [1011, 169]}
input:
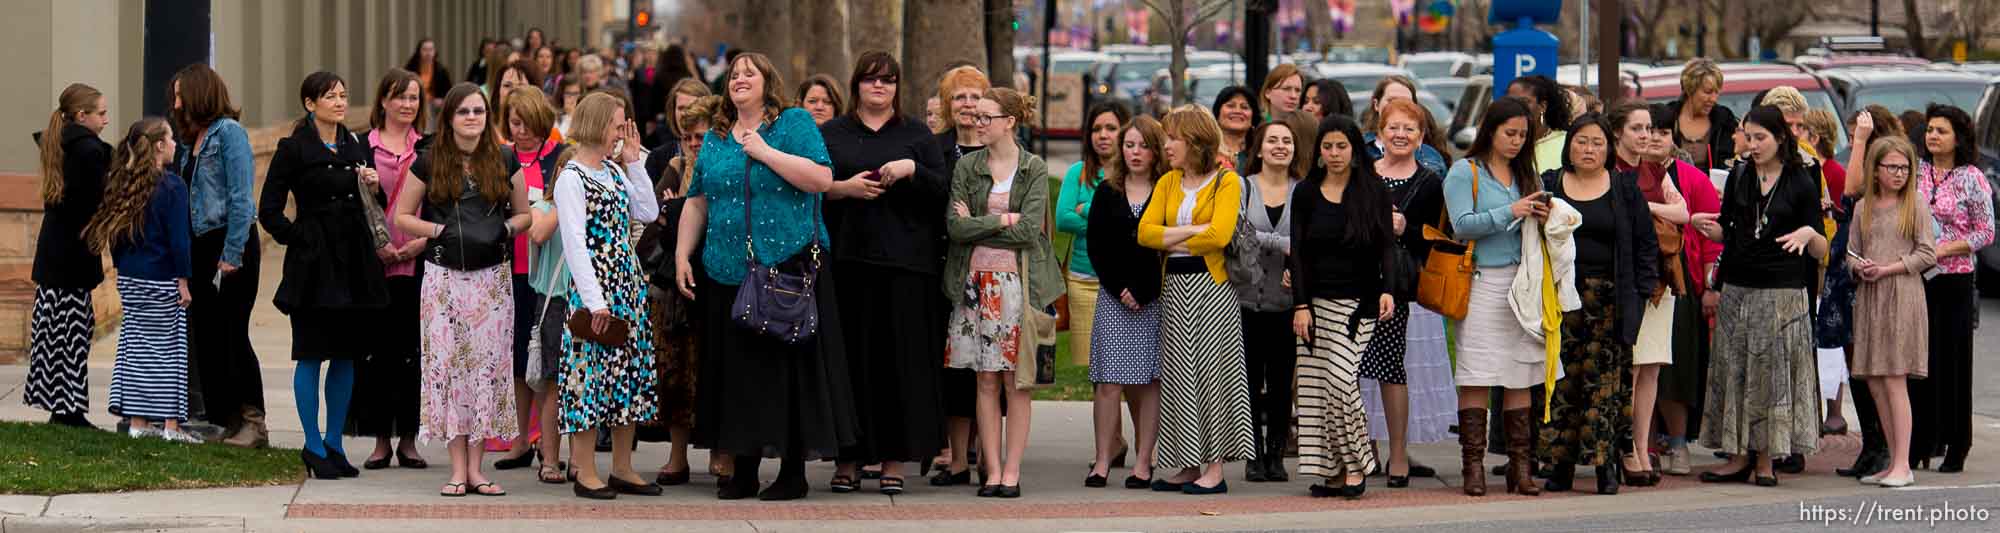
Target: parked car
{"type": "Point", "coordinates": [1904, 88]}
{"type": "Point", "coordinates": [1073, 76]}
{"type": "Point", "coordinates": [1842, 61]}
{"type": "Point", "coordinates": [1359, 78]}
{"type": "Point", "coordinates": [1438, 65]}
{"type": "Point", "coordinates": [1448, 91]}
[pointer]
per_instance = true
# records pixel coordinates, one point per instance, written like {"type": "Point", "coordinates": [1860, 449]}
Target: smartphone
{"type": "Point", "coordinates": [1547, 199]}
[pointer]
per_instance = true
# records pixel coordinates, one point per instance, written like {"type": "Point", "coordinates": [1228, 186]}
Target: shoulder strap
{"type": "Point", "coordinates": [750, 252]}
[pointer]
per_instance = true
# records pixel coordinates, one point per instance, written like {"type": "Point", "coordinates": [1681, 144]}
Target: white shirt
{"type": "Point", "coordinates": [573, 216]}
{"type": "Point", "coordinates": [1185, 215]}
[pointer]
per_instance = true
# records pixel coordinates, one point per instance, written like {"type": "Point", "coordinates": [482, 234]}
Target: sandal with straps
{"type": "Point", "coordinates": [892, 485]}
{"type": "Point", "coordinates": [842, 484]}
{"type": "Point", "coordinates": [550, 474]}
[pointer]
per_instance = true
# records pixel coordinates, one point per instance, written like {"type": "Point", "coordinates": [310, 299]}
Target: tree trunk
{"type": "Point", "coordinates": [1913, 23]}
{"type": "Point", "coordinates": [828, 53]}
{"type": "Point", "coordinates": [1319, 24]}
{"type": "Point", "coordinates": [875, 25]}
{"type": "Point", "coordinates": [1000, 42]}
{"type": "Point", "coordinates": [938, 34]}
{"type": "Point", "coordinates": [767, 29]}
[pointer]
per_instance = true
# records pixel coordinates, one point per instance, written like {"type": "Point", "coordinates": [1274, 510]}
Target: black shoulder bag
{"type": "Point", "coordinates": [1401, 279]}
{"type": "Point", "coordinates": [778, 301]}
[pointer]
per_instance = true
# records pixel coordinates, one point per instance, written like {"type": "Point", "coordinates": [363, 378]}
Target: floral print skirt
{"type": "Point", "coordinates": [1592, 406]}
{"type": "Point", "coordinates": [468, 365]}
{"type": "Point", "coordinates": [985, 331]}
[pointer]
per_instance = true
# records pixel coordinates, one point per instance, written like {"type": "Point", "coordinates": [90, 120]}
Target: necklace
{"type": "Point", "coordinates": [1764, 211]}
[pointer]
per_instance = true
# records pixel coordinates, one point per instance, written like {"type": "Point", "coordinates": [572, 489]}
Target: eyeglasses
{"type": "Point", "coordinates": [982, 120]}
{"type": "Point", "coordinates": [1894, 170]}
{"type": "Point", "coordinates": [470, 112]}
{"type": "Point", "coordinates": [885, 80]}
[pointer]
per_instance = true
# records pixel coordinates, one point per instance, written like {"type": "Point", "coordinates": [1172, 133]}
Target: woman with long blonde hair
{"type": "Point", "coordinates": [143, 222]}
{"type": "Point", "coordinates": [1890, 245]}
{"type": "Point", "coordinates": [74, 161]}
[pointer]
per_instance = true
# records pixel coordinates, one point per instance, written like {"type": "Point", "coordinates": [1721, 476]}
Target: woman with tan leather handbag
{"type": "Point", "coordinates": [1487, 195]}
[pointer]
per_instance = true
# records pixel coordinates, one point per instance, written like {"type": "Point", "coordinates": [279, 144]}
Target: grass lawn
{"type": "Point", "coordinates": [47, 459]}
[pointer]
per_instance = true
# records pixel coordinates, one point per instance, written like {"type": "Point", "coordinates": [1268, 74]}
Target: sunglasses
{"type": "Point", "coordinates": [885, 80]}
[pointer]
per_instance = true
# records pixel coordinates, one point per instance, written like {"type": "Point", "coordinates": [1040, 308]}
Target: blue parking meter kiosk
{"type": "Point", "coordinates": [1524, 50]}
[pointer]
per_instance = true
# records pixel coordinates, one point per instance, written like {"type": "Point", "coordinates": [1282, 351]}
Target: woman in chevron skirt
{"type": "Point", "coordinates": [73, 164]}
{"type": "Point", "coordinates": [144, 222]}
{"type": "Point", "coordinates": [1204, 393]}
{"type": "Point", "coordinates": [1342, 236]}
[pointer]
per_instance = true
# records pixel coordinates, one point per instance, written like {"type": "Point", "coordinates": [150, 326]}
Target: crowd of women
{"type": "Point", "coordinates": [809, 274]}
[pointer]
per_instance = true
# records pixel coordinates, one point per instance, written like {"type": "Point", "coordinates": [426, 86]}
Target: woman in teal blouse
{"type": "Point", "coordinates": [1072, 216]}
{"type": "Point", "coordinates": [761, 397]}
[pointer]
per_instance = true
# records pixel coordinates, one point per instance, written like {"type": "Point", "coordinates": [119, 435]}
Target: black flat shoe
{"type": "Point", "coordinates": [375, 464]}
{"type": "Point", "coordinates": [1866, 464]}
{"type": "Point", "coordinates": [600, 493]}
{"type": "Point", "coordinates": [1767, 481]}
{"type": "Point", "coordinates": [1354, 492]}
{"type": "Point", "coordinates": [1253, 471]}
{"type": "Point", "coordinates": [988, 491]}
{"type": "Point", "coordinates": [635, 489]}
{"type": "Point", "coordinates": [784, 490]}
{"type": "Point", "coordinates": [1135, 483]}
{"type": "Point", "coordinates": [1161, 485]}
{"type": "Point", "coordinates": [731, 489]}
{"type": "Point", "coordinates": [1790, 464]}
{"type": "Point", "coordinates": [944, 478]}
{"type": "Point", "coordinates": [519, 461]}
{"type": "Point", "coordinates": [1118, 461]}
{"type": "Point", "coordinates": [1322, 490]}
{"type": "Point", "coordinates": [669, 479]}
{"type": "Point", "coordinates": [1417, 470]}
{"type": "Point", "coordinates": [1008, 492]}
{"type": "Point", "coordinates": [1397, 482]}
{"type": "Point", "coordinates": [1954, 460]}
{"type": "Point", "coordinates": [1095, 481]}
{"type": "Point", "coordinates": [406, 461]}
{"type": "Point", "coordinates": [1221, 487]}
{"type": "Point", "coordinates": [341, 465]}
{"type": "Point", "coordinates": [1738, 476]}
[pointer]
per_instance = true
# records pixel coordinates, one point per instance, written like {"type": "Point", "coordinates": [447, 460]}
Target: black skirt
{"type": "Point", "coordinates": [390, 375]}
{"type": "Point", "coordinates": [895, 340]}
{"type": "Point", "coordinates": [763, 398]}
{"type": "Point", "coordinates": [334, 334]}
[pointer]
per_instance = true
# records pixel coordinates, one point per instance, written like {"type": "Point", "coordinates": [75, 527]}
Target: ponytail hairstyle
{"type": "Point", "coordinates": [129, 186]}
{"type": "Point", "coordinates": [1014, 104]}
{"type": "Point", "coordinates": [76, 99]}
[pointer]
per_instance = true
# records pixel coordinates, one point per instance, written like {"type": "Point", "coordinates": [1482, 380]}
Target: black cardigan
{"type": "Point", "coordinates": [1638, 251]}
{"type": "Point", "coordinates": [904, 227]}
{"type": "Point", "coordinates": [1121, 263]}
{"type": "Point", "coordinates": [330, 260]}
{"type": "Point", "coordinates": [1721, 136]}
{"type": "Point", "coordinates": [61, 258]}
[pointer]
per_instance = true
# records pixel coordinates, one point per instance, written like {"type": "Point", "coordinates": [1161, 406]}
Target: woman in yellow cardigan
{"type": "Point", "coordinates": [1204, 398]}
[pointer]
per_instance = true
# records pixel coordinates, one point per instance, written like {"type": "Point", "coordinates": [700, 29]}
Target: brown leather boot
{"type": "Point", "coordinates": [1472, 449]}
{"type": "Point", "coordinates": [252, 433]}
{"type": "Point", "coordinates": [1520, 471]}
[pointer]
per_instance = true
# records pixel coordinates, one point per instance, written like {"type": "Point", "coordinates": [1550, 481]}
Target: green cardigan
{"type": "Point", "coordinates": [971, 182]}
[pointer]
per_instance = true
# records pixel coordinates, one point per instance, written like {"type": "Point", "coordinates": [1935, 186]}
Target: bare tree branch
{"type": "Point", "coordinates": [1150, 4]}
{"type": "Point", "coordinates": [1210, 11]}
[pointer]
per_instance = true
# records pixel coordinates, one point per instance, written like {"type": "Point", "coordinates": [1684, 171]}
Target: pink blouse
{"type": "Point", "coordinates": [985, 259]}
{"type": "Point", "coordinates": [1962, 204]}
{"type": "Point", "coordinates": [392, 166]}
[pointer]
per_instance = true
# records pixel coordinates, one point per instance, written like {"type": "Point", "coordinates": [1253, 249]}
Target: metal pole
{"type": "Point", "coordinates": [1048, 27]}
{"type": "Point", "coordinates": [1701, 29]}
{"type": "Point", "coordinates": [1875, 17]}
{"type": "Point", "coordinates": [1610, 49]}
{"type": "Point", "coordinates": [1583, 45]}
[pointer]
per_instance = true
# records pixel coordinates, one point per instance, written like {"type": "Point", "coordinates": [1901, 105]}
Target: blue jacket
{"type": "Point", "coordinates": [222, 180]}
{"type": "Point", "coordinates": [159, 250]}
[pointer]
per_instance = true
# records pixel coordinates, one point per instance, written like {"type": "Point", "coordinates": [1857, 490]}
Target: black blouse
{"type": "Point", "coordinates": [330, 260]}
{"type": "Point", "coordinates": [1596, 239]}
{"type": "Point", "coordinates": [61, 258]}
{"type": "Point", "coordinates": [1121, 263]}
{"type": "Point", "coordinates": [904, 227]}
{"type": "Point", "coordinates": [1754, 259]}
{"type": "Point", "coordinates": [1324, 264]}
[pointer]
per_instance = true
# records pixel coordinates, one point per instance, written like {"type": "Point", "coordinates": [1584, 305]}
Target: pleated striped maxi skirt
{"type": "Point", "coordinates": [1333, 427]}
{"type": "Point", "coordinates": [150, 378]}
{"type": "Point", "coordinates": [1204, 398]}
{"type": "Point", "coordinates": [58, 347]}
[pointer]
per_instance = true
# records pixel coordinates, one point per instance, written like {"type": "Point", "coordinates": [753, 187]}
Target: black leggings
{"type": "Point", "coordinates": [1270, 351]}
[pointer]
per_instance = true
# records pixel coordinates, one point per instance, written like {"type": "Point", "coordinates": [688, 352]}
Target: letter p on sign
{"type": "Point", "coordinates": [1524, 65]}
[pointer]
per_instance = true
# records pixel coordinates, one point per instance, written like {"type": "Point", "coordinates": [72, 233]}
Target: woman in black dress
{"type": "Point", "coordinates": [333, 266]}
{"type": "Point", "coordinates": [883, 210]}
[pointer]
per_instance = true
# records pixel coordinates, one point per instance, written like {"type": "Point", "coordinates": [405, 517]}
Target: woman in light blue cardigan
{"type": "Point", "coordinates": [1487, 195]}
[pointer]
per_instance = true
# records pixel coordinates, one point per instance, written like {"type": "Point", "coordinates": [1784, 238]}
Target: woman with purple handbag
{"type": "Point", "coordinates": [754, 207]}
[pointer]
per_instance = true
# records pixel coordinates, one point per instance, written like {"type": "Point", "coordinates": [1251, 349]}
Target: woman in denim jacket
{"type": "Point", "coordinates": [215, 157]}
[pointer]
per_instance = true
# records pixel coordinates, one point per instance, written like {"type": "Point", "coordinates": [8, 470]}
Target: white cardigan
{"type": "Point", "coordinates": [1526, 293]}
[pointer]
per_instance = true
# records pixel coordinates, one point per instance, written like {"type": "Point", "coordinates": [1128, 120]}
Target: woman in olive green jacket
{"type": "Point", "coordinates": [999, 268]}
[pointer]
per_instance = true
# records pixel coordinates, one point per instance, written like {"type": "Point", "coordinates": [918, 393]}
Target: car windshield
{"type": "Point", "coordinates": [1361, 84]}
{"type": "Point", "coordinates": [1901, 97]}
{"type": "Point", "coordinates": [1138, 71]}
{"type": "Point", "coordinates": [1070, 66]}
{"type": "Point", "coordinates": [1432, 68]}
{"type": "Point", "coordinates": [1206, 89]}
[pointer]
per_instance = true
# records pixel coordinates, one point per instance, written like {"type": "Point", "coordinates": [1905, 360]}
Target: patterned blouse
{"type": "Point", "coordinates": [1962, 203]}
{"type": "Point", "coordinates": [782, 215]}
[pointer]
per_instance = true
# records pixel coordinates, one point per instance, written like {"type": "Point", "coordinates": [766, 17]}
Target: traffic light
{"type": "Point", "coordinates": [644, 18]}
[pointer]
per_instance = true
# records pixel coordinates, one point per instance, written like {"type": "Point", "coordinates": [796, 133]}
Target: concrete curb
{"type": "Point", "coordinates": [18, 524]}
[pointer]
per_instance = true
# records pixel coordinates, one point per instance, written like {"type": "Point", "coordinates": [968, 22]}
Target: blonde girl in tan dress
{"type": "Point", "coordinates": [1889, 249]}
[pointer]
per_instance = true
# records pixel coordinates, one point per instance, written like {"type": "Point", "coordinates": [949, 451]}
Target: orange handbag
{"type": "Point", "coordinates": [1445, 285]}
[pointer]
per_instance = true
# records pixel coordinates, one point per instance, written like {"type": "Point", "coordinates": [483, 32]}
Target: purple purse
{"type": "Point", "coordinates": [778, 301]}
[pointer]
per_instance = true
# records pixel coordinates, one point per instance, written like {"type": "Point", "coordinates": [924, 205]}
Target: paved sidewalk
{"type": "Point", "coordinates": [1054, 498]}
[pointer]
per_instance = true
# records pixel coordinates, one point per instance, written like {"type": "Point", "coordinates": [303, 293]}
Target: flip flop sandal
{"type": "Point", "coordinates": [480, 489]}
{"type": "Point", "coordinates": [551, 475]}
{"type": "Point", "coordinates": [447, 492]}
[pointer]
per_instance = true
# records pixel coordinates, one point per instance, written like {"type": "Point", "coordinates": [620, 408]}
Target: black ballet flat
{"type": "Point", "coordinates": [988, 491]}
{"type": "Point", "coordinates": [1095, 481]}
{"type": "Point", "coordinates": [1322, 490]}
{"type": "Point", "coordinates": [1738, 476]}
{"type": "Point", "coordinates": [1193, 488]}
{"type": "Point", "coordinates": [1135, 483]}
{"type": "Point", "coordinates": [1161, 485]}
{"type": "Point", "coordinates": [1397, 482]}
{"type": "Point", "coordinates": [1767, 481]}
{"type": "Point", "coordinates": [375, 464]}
{"type": "Point", "coordinates": [636, 489]}
{"type": "Point", "coordinates": [406, 461]}
{"type": "Point", "coordinates": [945, 478]}
{"type": "Point", "coordinates": [601, 493]}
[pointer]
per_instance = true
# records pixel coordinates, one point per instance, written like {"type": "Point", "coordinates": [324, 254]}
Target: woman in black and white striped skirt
{"type": "Point", "coordinates": [1204, 394]}
{"type": "Point", "coordinates": [144, 221]}
{"type": "Point", "coordinates": [1342, 236]}
{"type": "Point", "coordinates": [66, 270]}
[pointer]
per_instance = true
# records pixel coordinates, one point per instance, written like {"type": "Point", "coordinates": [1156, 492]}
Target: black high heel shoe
{"type": "Point", "coordinates": [317, 466]}
{"type": "Point", "coordinates": [1607, 477]}
{"type": "Point", "coordinates": [340, 464]}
